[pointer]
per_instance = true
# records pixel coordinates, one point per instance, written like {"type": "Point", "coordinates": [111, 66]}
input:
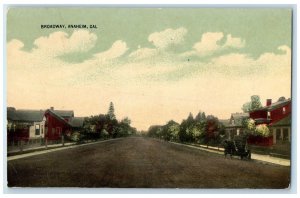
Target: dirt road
{"type": "Point", "coordinates": [142, 163]}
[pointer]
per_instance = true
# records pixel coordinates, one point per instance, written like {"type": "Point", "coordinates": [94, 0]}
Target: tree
{"type": "Point", "coordinates": [212, 129]}
{"type": "Point", "coordinates": [253, 105]}
{"type": "Point", "coordinates": [200, 117]}
{"type": "Point", "coordinates": [252, 129]}
{"type": "Point", "coordinates": [126, 120]}
{"type": "Point", "coordinates": [262, 130]}
{"type": "Point", "coordinates": [185, 133]}
{"type": "Point", "coordinates": [111, 111]}
{"type": "Point", "coordinates": [170, 130]}
{"type": "Point", "coordinates": [154, 131]}
{"type": "Point", "coordinates": [198, 132]}
{"type": "Point", "coordinates": [190, 117]}
{"type": "Point", "coordinates": [104, 133]}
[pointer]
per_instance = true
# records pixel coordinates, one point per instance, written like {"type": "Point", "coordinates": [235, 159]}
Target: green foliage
{"type": "Point", "coordinates": [258, 130]}
{"type": "Point", "coordinates": [253, 104]}
{"type": "Point", "coordinates": [106, 126]}
{"type": "Point", "coordinates": [262, 130]}
{"type": "Point", "coordinates": [111, 111]}
{"type": "Point", "coordinates": [76, 137]}
{"type": "Point", "coordinates": [200, 129]}
{"type": "Point", "coordinates": [104, 133]}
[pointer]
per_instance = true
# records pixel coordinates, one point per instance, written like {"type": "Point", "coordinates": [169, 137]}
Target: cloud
{"type": "Point", "coordinates": [161, 41]}
{"type": "Point", "coordinates": [143, 53]}
{"type": "Point", "coordinates": [117, 49]}
{"type": "Point", "coordinates": [234, 42]}
{"type": "Point", "coordinates": [167, 37]}
{"type": "Point", "coordinates": [60, 43]}
{"type": "Point", "coordinates": [265, 64]}
{"type": "Point", "coordinates": [210, 43]}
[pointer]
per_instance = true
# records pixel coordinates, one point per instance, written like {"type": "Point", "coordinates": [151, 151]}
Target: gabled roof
{"type": "Point", "coordinates": [225, 122]}
{"type": "Point", "coordinates": [25, 115]}
{"type": "Point", "coordinates": [76, 121]}
{"type": "Point", "coordinates": [274, 105]}
{"type": "Point", "coordinates": [238, 118]}
{"type": "Point", "coordinates": [278, 104]}
{"type": "Point", "coordinates": [64, 113]}
{"type": "Point", "coordinates": [239, 115]}
{"type": "Point", "coordinates": [286, 121]}
{"type": "Point", "coordinates": [57, 116]}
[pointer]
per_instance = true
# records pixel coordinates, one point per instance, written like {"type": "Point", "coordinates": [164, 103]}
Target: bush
{"type": "Point", "coordinates": [76, 137]}
{"type": "Point", "coordinates": [262, 130]}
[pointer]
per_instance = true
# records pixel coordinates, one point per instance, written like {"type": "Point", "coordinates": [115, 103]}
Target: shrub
{"type": "Point", "coordinates": [76, 137]}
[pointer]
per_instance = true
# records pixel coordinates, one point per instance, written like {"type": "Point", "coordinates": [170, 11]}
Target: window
{"type": "Point", "coordinates": [283, 110]}
{"type": "Point", "coordinates": [269, 114]}
{"type": "Point", "coordinates": [285, 134]}
{"type": "Point", "coordinates": [42, 130]}
{"type": "Point", "coordinates": [37, 129]}
{"type": "Point", "coordinates": [232, 122]}
{"type": "Point", "coordinates": [58, 131]}
{"type": "Point", "coordinates": [278, 134]}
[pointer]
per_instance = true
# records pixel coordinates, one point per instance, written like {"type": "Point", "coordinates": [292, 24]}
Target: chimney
{"type": "Point", "coordinates": [269, 102]}
{"type": "Point", "coordinates": [52, 108]}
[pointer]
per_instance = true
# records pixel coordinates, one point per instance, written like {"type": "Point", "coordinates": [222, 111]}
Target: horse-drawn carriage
{"type": "Point", "coordinates": [237, 147]}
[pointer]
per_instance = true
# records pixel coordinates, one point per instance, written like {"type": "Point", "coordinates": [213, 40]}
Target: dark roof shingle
{"type": "Point", "coordinates": [77, 121]}
{"type": "Point", "coordinates": [25, 115]}
{"type": "Point", "coordinates": [64, 113]}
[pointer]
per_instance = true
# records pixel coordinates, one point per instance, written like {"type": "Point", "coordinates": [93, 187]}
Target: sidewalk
{"type": "Point", "coordinates": [265, 159]}
{"type": "Point", "coordinates": [17, 150]}
{"type": "Point", "coordinates": [51, 148]}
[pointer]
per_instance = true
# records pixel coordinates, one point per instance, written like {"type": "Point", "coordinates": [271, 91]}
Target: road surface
{"type": "Point", "coordinates": [139, 162]}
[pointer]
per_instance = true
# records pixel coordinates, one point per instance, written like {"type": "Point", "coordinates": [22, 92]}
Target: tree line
{"type": "Point", "coordinates": [200, 129]}
{"type": "Point", "coordinates": [104, 126]}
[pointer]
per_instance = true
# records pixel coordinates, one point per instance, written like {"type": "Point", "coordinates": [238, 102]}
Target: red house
{"type": "Point", "coordinates": [277, 116]}
{"type": "Point", "coordinates": [32, 124]}
{"type": "Point", "coordinates": [56, 125]}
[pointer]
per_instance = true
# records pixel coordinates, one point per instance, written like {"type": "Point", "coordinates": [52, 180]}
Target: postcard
{"type": "Point", "coordinates": [149, 97]}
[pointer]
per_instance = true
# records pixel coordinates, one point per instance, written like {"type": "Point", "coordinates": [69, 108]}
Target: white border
{"type": "Point", "coordinates": [178, 3]}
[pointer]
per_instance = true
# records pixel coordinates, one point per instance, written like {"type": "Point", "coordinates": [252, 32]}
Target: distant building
{"type": "Point", "coordinates": [234, 126]}
{"type": "Point", "coordinates": [50, 123]}
{"type": "Point", "coordinates": [25, 124]}
{"type": "Point", "coordinates": [76, 123]}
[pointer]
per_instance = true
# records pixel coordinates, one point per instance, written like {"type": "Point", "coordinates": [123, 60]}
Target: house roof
{"type": "Point", "coordinates": [28, 115]}
{"type": "Point", "coordinates": [225, 122]}
{"type": "Point", "coordinates": [64, 113]}
{"type": "Point", "coordinates": [25, 115]}
{"type": "Point", "coordinates": [76, 121]}
{"type": "Point", "coordinates": [278, 104]}
{"type": "Point", "coordinates": [11, 113]}
{"type": "Point", "coordinates": [239, 115]}
{"type": "Point", "coordinates": [238, 118]}
{"type": "Point", "coordinates": [286, 121]}
{"type": "Point", "coordinates": [57, 116]}
{"type": "Point", "coordinates": [275, 105]}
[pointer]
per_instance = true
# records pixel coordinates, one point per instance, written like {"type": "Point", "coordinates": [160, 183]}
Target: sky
{"type": "Point", "coordinates": [154, 64]}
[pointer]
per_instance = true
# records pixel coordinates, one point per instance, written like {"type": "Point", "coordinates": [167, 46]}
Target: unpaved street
{"type": "Point", "coordinates": [142, 163]}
